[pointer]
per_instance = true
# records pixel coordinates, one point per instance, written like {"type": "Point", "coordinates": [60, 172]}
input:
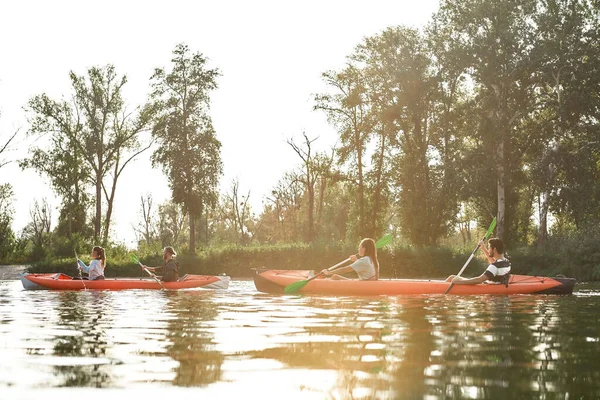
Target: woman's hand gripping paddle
{"type": "Point", "coordinates": [79, 269]}
{"type": "Point", "coordinates": [296, 286]}
{"type": "Point", "coordinates": [135, 259]}
{"type": "Point", "coordinates": [487, 234]}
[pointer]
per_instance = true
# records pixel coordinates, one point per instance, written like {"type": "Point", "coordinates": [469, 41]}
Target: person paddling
{"type": "Point", "coordinates": [497, 271]}
{"type": "Point", "coordinates": [95, 270]}
{"type": "Point", "coordinates": [367, 266]}
{"type": "Point", "coordinates": [170, 269]}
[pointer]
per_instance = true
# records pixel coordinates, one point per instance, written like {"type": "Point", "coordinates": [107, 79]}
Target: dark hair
{"type": "Point", "coordinates": [371, 251]}
{"type": "Point", "coordinates": [497, 244]}
{"type": "Point", "coordinates": [100, 252]}
{"type": "Point", "coordinates": [170, 250]}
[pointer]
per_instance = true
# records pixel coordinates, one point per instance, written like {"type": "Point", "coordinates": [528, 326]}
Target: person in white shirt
{"type": "Point", "coordinates": [498, 269]}
{"type": "Point", "coordinates": [95, 270]}
{"type": "Point", "coordinates": [367, 266]}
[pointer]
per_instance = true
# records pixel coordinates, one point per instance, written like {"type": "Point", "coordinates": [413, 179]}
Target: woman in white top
{"type": "Point", "coordinates": [95, 270]}
{"type": "Point", "coordinates": [367, 266]}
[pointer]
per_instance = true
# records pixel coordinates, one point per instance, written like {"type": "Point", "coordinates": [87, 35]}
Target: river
{"type": "Point", "coordinates": [242, 343]}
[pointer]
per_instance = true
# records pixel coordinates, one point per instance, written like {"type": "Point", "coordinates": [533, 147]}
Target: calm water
{"type": "Point", "coordinates": [224, 344]}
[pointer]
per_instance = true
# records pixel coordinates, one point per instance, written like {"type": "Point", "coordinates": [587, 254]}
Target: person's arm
{"type": "Point", "coordinates": [470, 281]}
{"type": "Point", "coordinates": [487, 255]}
{"type": "Point", "coordinates": [84, 267]}
{"type": "Point", "coordinates": [342, 270]}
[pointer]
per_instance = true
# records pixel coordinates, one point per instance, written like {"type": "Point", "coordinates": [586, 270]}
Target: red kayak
{"type": "Point", "coordinates": [57, 281]}
{"type": "Point", "coordinates": [274, 281]}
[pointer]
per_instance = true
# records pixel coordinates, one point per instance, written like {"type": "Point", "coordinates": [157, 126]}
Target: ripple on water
{"type": "Point", "coordinates": [220, 343]}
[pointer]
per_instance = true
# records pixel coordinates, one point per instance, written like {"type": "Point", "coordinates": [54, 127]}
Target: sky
{"type": "Point", "coordinates": [271, 55]}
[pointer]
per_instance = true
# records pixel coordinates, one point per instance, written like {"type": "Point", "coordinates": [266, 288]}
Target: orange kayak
{"type": "Point", "coordinates": [274, 281]}
{"type": "Point", "coordinates": [57, 281]}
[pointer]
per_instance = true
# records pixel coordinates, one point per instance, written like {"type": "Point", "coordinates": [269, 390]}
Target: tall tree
{"type": "Point", "coordinates": [236, 213]}
{"type": "Point", "coordinates": [496, 39]}
{"type": "Point", "coordinates": [100, 130]}
{"type": "Point", "coordinates": [568, 109]}
{"type": "Point", "coordinates": [347, 108]}
{"type": "Point", "coordinates": [189, 151]}
{"type": "Point", "coordinates": [60, 160]}
{"type": "Point", "coordinates": [147, 227]}
{"type": "Point", "coordinates": [307, 177]}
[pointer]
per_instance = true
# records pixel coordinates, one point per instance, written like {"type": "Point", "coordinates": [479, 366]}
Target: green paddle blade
{"type": "Point", "coordinates": [490, 229]}
{"type": "Point", "coordinates": [135, 259]}
{"type": "Point", "coordinates": [384, 241]}
{"type": "Point", "coordinates": [294, 287]}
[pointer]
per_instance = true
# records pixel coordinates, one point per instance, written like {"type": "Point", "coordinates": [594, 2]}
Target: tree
{"type": "Point", "coordinates": [99, 131]}
{"type": "Point", "coordinates": [496, 38]}
{"type": "Point", "coordinates": [346, 108]}
{"type": "Point", "coordinates": [171, 223]}
{"type": "Point", "coordinates": [60, 160]}
{"type": "Point", "coordinates": [7, 236]}
{"type": "Point", "coordinates": [146, 229]}
{"type": "Point", "coordinates": [566, 117]}
{"type": "Point", "coordinates": [189, 151]}
{"type": "Point", "coordinates": [308, 178]}
{"type": "Point", "coordinates": [39, 228]}
{"type": "Point", "coordinates": [236, 213]}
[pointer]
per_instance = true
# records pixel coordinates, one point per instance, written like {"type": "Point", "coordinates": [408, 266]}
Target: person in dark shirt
{"type": "Point", "coordinates": [170, 269]}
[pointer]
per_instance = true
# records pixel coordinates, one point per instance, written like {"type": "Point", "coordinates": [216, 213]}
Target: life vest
{"type": "Point", "coordinates": [501, 278]}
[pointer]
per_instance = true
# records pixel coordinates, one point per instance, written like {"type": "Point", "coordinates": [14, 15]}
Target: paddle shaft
{"type": "Point", "coordinates": [150, 273]}
{"type": "Point", "coordinates": [489, 231]}
{"type": "Point", "coordinates": [336, 266]}
{"type": "Point", "coordinates": [79, 269]}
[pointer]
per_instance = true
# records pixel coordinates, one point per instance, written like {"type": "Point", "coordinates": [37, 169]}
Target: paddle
{"type": "Point", "coordinates": [135, 259]}
{"type": "Point", "coordinates": [79, 269]}
{"type": "Point", "coordinates": [487, 234]}
{"type": "Point", "coordinates": [296, 286]}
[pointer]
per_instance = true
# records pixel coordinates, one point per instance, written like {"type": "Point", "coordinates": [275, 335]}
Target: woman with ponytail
{"type": "Point", "coordinates": [95, 270]}
{"type": "Point", "coordinates": [367, 266]}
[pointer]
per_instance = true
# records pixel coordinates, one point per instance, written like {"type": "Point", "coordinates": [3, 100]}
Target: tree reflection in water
{"type": "Point", "coordinates": [85, 321]}
{"type": "Point", "coordinates": [378, 349]}
{"type": "Point", "coordinates": [192, 342]}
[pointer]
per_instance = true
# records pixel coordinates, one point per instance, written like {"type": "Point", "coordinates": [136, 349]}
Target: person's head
{"type": "Point", "coordinates": [367, 248]}
{"type": "Point", "coordinates": [496, 247]}
{"type": "Point", "coordinates": [169, 252]}
{"type": "Point", "coordinates": [98, 254]}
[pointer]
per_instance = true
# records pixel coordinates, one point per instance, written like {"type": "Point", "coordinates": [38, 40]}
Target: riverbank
{"type": "Point", "coordinates": [11, 272]}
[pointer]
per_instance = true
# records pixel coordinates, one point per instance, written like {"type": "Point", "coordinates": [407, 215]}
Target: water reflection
{"type": "Point", "coordinates": [243, 342]}
{"type": "Point", "coordinates": [191, 343]}
{"type": "Point", "coordinates": [82, 337]}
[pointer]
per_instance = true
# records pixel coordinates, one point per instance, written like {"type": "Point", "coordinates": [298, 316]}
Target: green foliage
{"type": "Point", "coordinates": [189, 151]}
{"type": "Point", "coordinates": [92, 139]}
{"type": "Point", "coordinates": [7, 236]}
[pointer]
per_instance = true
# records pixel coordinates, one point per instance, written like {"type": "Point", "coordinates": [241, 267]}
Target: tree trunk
{"type": "Point", "coordinates": [98, 220]}
{"type": "Point", "coordinates": [361, 192]}
{"type": "Point", "coordinates": [543, 215]}
{"type": "Point", "coordinates": [311, 211]}
{"type": "Point", "coordinates": [377, 200]}
{"type": "Point", "coordinates": [192, 244]}
{"type": "Point", "coordinates": [501, 190]}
